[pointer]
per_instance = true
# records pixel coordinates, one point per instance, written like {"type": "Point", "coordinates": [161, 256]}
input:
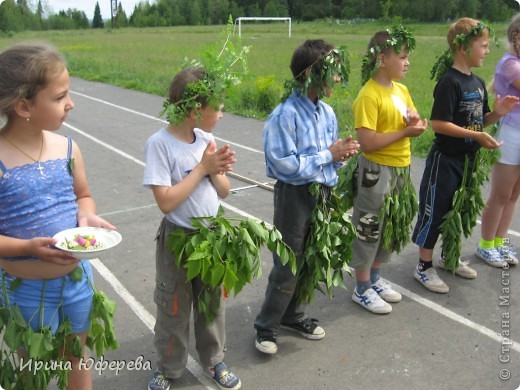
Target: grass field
{"type": "Point", "coordinates": [146, 60]}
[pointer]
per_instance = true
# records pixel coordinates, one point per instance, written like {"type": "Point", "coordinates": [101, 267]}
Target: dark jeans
{"type": "Point", "coordinates": [293, 206]}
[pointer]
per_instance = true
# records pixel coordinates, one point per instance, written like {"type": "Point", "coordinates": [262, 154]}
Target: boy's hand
{"type": "Point", "coordinates": [413, 117]}
{"type": "Point", "coordinates": [217, 161]}
{"type": "Point", "coordinates": [343, 148]}
{"type": "Point", "coordinates": [416, 129]}
{"type": "Point", "coordinates": [503, 105]}
{"type": "Point", "coordinates": [486, 141]}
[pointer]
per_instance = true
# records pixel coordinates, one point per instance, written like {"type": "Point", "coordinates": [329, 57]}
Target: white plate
{"type": "Point", "coordinates": [107, 238]}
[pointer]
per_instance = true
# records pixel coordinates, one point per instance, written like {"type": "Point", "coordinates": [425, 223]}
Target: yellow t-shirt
{"type": "Point", "coordinates": [382, 110]}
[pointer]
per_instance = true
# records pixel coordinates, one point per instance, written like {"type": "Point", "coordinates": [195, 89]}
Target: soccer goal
{"type": "Point", "coordinates": [246, 18]}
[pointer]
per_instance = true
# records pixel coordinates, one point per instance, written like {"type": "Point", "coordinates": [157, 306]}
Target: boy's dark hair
{"type": "Point", "coordinates": [181, 85]}
{"type": "Point", "coordinates": [308, 55]}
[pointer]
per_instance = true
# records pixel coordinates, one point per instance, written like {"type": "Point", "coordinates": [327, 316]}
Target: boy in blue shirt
{"type": "Point", "coordinates": [301, 148]}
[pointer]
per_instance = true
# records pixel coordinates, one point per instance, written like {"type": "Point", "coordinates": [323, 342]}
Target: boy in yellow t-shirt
{"type": "Point", "coordinates": [385, 118]}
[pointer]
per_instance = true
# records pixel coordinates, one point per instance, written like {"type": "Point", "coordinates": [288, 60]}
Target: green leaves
{"type": "Point", "coordinates": [398, 212]}
{"type": "Point", "coordinates": [327, 249]}
{"type": "Point", "coordinates": [101, 334]}
{"type": "Point", "coordinates": [398, 36]}
{"type": "Point", "coordinates": [225, 252]}
{"type": "Point", "coordinates": [48, 353]}
{"type": "Point", "coordinates": [445, 60]}
{"type": "Point", "coordinates": [467, 205]}
{"type": "Point", "coordinates": [321, 74]}
{"type": "Point", "coordinates": [223, 68]}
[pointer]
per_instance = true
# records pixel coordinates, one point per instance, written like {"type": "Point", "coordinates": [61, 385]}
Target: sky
{"type": "Point", "coordinates": [88, 6]}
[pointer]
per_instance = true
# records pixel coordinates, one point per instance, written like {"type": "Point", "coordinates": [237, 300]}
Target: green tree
{"type": "Point", "coordinates": [271, 8]}
{"type": "Point", "coordinates": [11, 19]}
{"type": "Point", "coordinates": [78, 17]}
{"type": "Point", "coordinates": [61, 22]}
{"type": "Point", "coordinates": [121, 20]}
{"type": "Point", "coordinates": [97, 20]}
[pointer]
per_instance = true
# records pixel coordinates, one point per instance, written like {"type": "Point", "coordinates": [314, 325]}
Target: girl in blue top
{"type": "Point", "coordinates": [43, 190]}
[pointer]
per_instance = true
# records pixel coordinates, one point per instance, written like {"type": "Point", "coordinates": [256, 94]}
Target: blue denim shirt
{"type": "Point", "coordinates": [296, 139]}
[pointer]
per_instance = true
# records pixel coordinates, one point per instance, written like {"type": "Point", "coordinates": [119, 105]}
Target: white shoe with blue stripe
{"type": "Point", "coordinates": [430, 280]}
{"type": "Point", "coordinates": [371, 301]}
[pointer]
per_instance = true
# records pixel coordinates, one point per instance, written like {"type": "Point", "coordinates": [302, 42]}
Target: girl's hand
{"type": "Point", "coordinates": [42, 248]}
{"type": "Point", "coordinates": [504, 105]}
{"type": "Point", "coordinates": [95, 221]}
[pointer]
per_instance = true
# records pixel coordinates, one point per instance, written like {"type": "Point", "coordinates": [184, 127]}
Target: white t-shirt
{"type": "Point", "coordinates": [168, 161]}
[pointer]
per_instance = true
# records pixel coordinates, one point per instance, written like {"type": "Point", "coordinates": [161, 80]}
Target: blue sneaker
{"type": "Point", "coordinates": [223, 377]}
{"type": "Point", "coordinates": [491, 256]}
{"type": "Point", "coordinates": [159, 381]}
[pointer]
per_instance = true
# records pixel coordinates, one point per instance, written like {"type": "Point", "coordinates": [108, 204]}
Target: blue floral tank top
{"type": "Point", "coordinates": [34, 204]}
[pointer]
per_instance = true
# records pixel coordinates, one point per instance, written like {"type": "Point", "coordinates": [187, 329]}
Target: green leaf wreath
{"type": "Point", "coordinates": [445, 60]}
{"type": "Point", "coordinates": [225, 252]}
{"type": "Point", "coordinates": [399, 36]}
{"type": "Point", "coordinates": [334, 64]}
{"type": "Point", "coordinates": [222, 71]}
{"type": "Point", "coordinates": [44, 347]}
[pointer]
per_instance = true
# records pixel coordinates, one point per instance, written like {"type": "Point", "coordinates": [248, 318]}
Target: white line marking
{"type": "Point", "coordinates": [453, 316]}
{"type": "Point", "coordinates": [159, 120]}
{"type": "Point", "coordinates": [144, 315]}
{"type": "Point", "coordinates": [194, 367]}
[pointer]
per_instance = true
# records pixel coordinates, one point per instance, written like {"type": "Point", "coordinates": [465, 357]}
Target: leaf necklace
{"type": "Point", "coordinates": [39, 160]}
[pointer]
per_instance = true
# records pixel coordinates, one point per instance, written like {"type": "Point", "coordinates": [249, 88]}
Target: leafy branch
{"type": "Point", "coordinates": [220, 74]}
{"type": "Point", "coordinates": [45, 347]}
{"type": "Point", "coordinates": [327, 249]}
{"type": "Point", "coordinates": [398, 212]}
{"type": "Point", "coordinates": [225, 251]}
{"type": "Point", "coordinates": [467, 205]}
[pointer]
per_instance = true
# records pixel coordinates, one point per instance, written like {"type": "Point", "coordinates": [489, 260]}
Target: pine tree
{"type": "Point", "coordinates": [97, 21]}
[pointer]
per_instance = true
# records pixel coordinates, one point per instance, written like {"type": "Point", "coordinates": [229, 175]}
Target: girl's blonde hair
{"type": "Point", "coordinates": [512, 30]}
{"type": "Point", "coordinates": [25, 69]}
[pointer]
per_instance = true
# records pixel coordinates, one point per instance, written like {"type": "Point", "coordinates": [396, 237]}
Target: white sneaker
{"type": "Point", "coordinates": [462, 270]}
{"type": "Point", "coordinates": [385, 291]}
{"type": "Point", "coordinates": [431, 280]}
{"type": "Point", "coordinates": [371, 301]}
{"type": "Point", "coordinates": [491, 256]}
{"type": "Point", "coordinates": [506, 251]}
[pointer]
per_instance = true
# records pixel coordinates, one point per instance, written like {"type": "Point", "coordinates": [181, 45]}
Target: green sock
{"type": "Point", "coordinates": [486, 244]}
{"type": "Point", "coordinates": [499, 241]}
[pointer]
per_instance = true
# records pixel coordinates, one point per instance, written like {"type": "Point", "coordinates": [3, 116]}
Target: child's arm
{"type": "Point", "coordinates": [452, 130]}
{"type": "Point", "coordinates": [370, 141]}
{"type": "Point", "coordinates": [213, 163]}
{"type": "Point", "coordinates": [502, 107]}
{"type": "Point", "coordinates": [39, 247]}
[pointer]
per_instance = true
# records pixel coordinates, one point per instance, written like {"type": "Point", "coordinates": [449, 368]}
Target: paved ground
{"type": "Point", "coordinates": [461, 340]}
